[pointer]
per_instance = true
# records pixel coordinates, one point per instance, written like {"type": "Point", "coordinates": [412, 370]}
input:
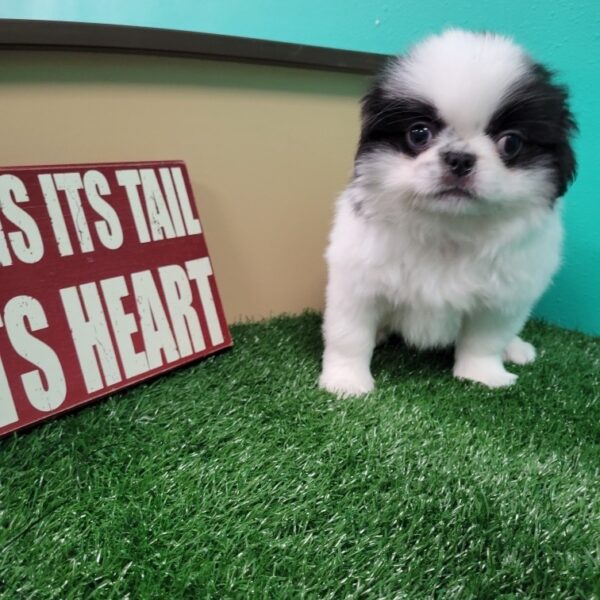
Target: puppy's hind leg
{"type": "Point", "coordinates": [519, 352]}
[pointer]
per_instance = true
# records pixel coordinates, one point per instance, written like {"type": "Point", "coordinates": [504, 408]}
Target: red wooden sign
{"type": "Point", "coordinates": [105, 280]}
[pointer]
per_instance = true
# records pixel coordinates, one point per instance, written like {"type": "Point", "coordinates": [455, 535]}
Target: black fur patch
{"type": "Point", "coordinates": [386, 120]}
{"type": "Point", "coordinates": [538, 109]}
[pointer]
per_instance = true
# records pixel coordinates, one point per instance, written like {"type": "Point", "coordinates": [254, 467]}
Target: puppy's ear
{"type": "Point", "coordinates": [566, 163]}
{"type": "Point", "coordinates": [372, 112]}
{"type": "Point", "coordinates": [566, 168]}
{"type": "Point", "coordinates": [564, 155]}
{"type": "Point", "coordinates": [372, 120]}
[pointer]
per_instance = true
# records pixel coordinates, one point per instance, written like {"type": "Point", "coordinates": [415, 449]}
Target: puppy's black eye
{"type": "Point", "coordinates": [509, 145]}
{"type": "Point", "coordinates": [419, 135]}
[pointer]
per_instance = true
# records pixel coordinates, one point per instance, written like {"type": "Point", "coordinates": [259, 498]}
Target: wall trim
{"type": "Point", "coordinates": [63, 35]}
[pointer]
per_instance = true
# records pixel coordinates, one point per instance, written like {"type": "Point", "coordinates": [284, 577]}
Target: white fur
{"type": "Point", "coordinates": [463, 73]}
{"type": "Point", "coordinates": [449, 272]}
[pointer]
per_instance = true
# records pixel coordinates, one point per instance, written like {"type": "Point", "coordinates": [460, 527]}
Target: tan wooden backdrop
{"type": "Point", "coordinates": [267, 148]}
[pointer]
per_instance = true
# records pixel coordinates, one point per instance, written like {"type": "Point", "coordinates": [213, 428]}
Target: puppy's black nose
{"type": "Point", "coordinates": [460, 163]}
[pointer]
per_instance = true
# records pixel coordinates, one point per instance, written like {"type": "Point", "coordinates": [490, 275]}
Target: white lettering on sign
{"type": "Point", "coordinates": [130, 180]}
{"type": "Point", "coordinates": [199, 271]}
{"type": "Point", "coordinates": [160, 220]}
{"type": "Point", "coordinates": [26, 243]}
{"type": "Point", "coordinates": [109, 228]}
{"type": "Point", "coordinates": [173, 201]}
{"type": "Point", "coordinates": [91, 336]}
{"type": "Point", "coordinates": [123, 325]}
{"type": "Point", "coordinates": [159, 216]}
{"type": "Point", "coordinates": [71, 185]}
{"type": "Point", "coordinates": [169, 330]}
{"type": "Point", "coordinates": [186, 324]}
{"type": "Point", "coordinates": [86, 306]}
{"type": "Point", "coordinates": [8, 410]}
{"type": "Point", "coordinates": [93, 186]}
{"type": "Point", "coordinates": [191, 223]}
{"type": "Point", "coordinates": [158, 337]}
{"type": "Point", "coordinates": [45, 386]}
{"type": "Point", "coordinates": [57, 219]}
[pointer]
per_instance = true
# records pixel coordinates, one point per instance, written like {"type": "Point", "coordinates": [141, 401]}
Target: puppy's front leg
{"type": "Point", "coordinates": [349, 329]}
{"type": "Point", "coordinates": [484, 339]}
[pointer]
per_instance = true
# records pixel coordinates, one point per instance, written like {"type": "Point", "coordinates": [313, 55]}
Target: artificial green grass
{"type": "Point", "coordinates": [237, 478]}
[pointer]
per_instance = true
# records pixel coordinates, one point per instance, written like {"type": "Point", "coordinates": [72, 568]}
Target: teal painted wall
{"type": "Point", "coordinates": [563, 33]}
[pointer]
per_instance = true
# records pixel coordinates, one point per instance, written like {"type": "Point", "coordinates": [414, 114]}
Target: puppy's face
{"type": "Point", "coordinates": [466, 123]}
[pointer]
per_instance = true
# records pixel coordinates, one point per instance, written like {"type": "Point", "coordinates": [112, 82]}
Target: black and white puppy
{"type": "Point", "coordinates": [448, 232]}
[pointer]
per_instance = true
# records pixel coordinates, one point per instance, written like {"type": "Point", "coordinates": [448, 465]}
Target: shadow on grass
{"type": "Point", "coordinates": [554, 406]}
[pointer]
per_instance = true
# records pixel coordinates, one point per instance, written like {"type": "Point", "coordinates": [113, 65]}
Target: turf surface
{"type": "Point", "coordinates": [237, 478]}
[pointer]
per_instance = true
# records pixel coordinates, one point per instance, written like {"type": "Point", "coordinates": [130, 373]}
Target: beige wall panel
{"type": "Point", "coordinates": [267, 149]}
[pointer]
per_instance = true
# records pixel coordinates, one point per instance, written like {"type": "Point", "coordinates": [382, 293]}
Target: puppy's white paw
{"type": "Point", "coordinates": [519, 352]}
{"type": "Point", "coordinates": [484, 369]}
{"type": "Point", "coordinates": [346, 381]}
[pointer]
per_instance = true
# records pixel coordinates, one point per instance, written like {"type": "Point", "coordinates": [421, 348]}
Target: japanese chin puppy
{"type": "Point", "coordinates": [449, 232]}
